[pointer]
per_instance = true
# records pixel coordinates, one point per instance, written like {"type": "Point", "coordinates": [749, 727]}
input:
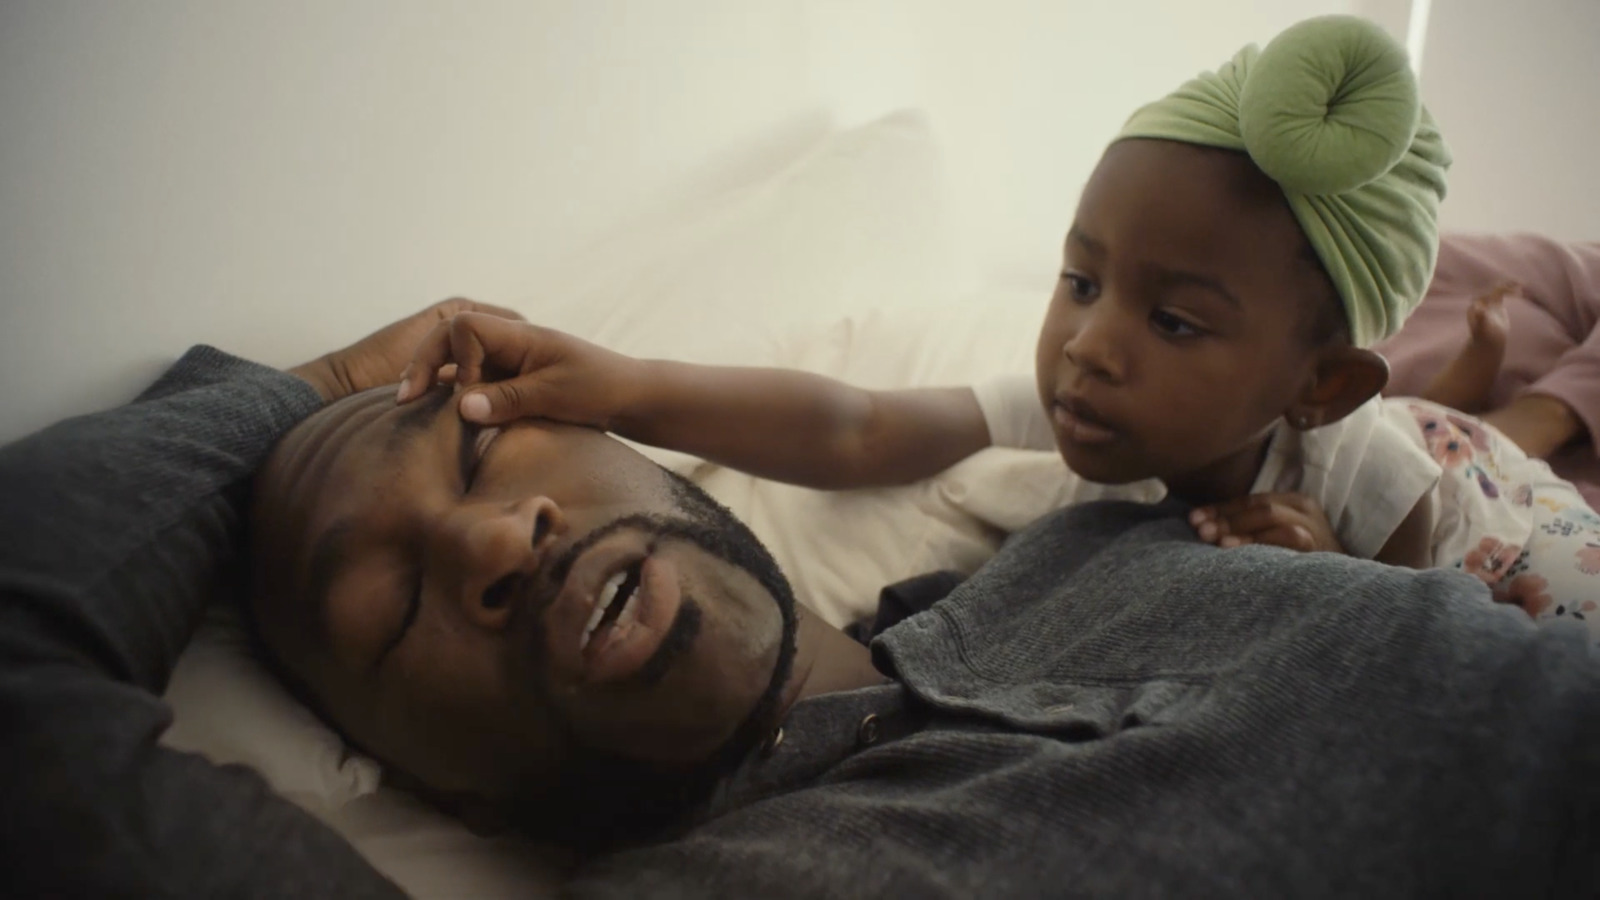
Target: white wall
{"type": "Point", "coordinates": [1027, 93]}
{"type": "Point", "coordinates": [278, 177]}
{"type": "Point", "coordinates": [1514, 86]}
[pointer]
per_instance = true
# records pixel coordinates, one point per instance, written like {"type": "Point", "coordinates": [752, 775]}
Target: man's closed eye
{"type": "Point", "coordinates": [474, 441]}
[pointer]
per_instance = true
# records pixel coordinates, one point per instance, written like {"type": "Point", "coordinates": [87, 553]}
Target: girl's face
{"type": "Point", "coordinates": [1174, 339]}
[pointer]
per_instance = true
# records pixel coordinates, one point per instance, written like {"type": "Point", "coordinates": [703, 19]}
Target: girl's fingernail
{"type": "Point", "coordinates": [475, 407]}
{"type": "Point", "coordinates": [404, 393]}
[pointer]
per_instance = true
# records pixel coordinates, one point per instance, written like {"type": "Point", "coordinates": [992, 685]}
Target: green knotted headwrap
{"type": "Point", "coordinates": [1330, 111]}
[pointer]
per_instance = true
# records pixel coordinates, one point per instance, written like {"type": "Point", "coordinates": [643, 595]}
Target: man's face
{"type": "Point", "coordinates": [485, 609]}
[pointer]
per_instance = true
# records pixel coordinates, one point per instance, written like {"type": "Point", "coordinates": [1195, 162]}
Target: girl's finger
{"type": "Point", "coordinates": [431, 353]}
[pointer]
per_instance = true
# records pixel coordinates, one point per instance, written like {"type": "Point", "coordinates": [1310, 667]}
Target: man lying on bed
{"type": "Point", "coordinates": [1109, 707]}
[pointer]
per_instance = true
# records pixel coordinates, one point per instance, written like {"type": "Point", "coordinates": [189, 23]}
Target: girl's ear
{"type": "Point", "coordinates": [1345, 378]}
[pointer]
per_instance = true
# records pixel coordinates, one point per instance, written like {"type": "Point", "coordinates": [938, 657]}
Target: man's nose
{"type": "Point", "coordinates": [1098, 345]}
{"type": "Point", "coordinates": [500, 550]}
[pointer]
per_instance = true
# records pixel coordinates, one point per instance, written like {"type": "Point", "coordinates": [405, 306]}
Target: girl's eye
{"type": "Point", "coordinates": [1172, 326]}
{"type": "Point", "coordinates": [1079, 288]}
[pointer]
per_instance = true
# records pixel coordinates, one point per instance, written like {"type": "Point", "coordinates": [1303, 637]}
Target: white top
{"type": "Point", "coordinates": [1368, 470]}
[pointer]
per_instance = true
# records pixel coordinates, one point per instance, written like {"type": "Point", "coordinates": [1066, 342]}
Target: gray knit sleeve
{"type": "Point", "coordinates": [114, 527]}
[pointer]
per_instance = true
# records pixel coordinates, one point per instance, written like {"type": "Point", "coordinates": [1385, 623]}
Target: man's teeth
{"type": "Point", "coordinates": [608, 595]}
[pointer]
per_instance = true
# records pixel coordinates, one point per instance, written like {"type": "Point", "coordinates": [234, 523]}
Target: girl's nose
{"type": "Point", "coordinates": [1096, 346]}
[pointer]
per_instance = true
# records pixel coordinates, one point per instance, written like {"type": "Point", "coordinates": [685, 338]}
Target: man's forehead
{"type": "Point", "coordinates": [355, 426]}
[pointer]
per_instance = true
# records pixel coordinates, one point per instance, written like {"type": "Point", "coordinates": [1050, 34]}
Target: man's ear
{"type": "Point", "coordinates": [1345, 377]}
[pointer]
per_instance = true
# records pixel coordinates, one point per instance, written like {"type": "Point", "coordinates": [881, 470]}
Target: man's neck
{"type": "Point", "coordinates": [827, 660]}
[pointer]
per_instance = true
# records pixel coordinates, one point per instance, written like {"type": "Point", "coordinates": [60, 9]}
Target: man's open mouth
{"type": "Point", "coordinates": [617, 599]}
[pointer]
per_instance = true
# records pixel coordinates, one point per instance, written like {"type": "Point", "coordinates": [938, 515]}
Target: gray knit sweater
{"type": "Point", "coordinates": [1113, 709]}
{"type": "Point", "coordinates": [1109, 708]}
{"type": "Point", "coordinates": [114, 527]}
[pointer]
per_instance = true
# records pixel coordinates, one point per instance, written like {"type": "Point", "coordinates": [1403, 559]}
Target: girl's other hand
{"type": "Point", "coordinates": [1292, 521]}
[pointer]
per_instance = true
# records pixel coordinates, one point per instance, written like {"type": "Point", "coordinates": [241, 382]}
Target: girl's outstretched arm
{"type": "Point", "coordinates": [775, 423]}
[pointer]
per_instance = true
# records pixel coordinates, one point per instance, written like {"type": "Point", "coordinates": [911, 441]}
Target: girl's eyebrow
{"type": "Point", "coordinates": [1170, 278]}
{"type": "Point", "coordinates": [1165, 277]}
{"type": "Point", "coordinates": [1089, 244]}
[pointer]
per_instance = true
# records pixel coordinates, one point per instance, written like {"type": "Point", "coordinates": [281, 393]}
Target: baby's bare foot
{"type": "Point", "coordinates": [1465, 381]}
{"type": "Point", "coordinates": [1488, 322]}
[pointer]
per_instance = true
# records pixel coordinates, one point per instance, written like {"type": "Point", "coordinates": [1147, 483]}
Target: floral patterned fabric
{"type": "Point", "coordinates": [1497, 514]}
{"type": "Point", "coordinates": [1509, 520]}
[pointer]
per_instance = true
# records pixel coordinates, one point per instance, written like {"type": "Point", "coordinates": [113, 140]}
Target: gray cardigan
{"type": "Point", "coordinates": [115, 527]}
{"type": "Point", "coordinates": [1109, 708]}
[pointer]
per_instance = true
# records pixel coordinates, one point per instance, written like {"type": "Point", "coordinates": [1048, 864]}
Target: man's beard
{"type": "Point", "coordinates": [601, 798]}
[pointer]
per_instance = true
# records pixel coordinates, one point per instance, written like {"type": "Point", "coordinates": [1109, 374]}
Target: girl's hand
{"type": "Point", "coordinates": [524, 371]}
{"type": "Point", "coordinates": [1293, 521]}
{"type": "Point", "coordinates": [377, 359]}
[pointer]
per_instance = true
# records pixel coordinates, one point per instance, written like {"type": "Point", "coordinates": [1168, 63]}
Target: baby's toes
{"type": "Point", "coordinates": [1487, 319]}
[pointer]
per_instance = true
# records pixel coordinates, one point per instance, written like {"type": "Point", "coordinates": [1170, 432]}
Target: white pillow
{"type": "Point", "coordinates": [231, 709]}
{"type": "Point", "coordinates": [854, 223]}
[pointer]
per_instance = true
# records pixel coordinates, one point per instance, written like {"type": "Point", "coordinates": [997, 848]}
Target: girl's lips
{"type": "Point", "coordinates": [1078, 424]}
{"type": "Point", "coordinates": [619, 649]}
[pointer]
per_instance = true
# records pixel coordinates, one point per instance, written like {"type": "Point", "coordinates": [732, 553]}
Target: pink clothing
{"type": "Point", "coordinates": [1554, 347]}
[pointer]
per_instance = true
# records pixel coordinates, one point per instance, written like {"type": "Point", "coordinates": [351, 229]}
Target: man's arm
{"type": "Point", "coordinates": [114, 529]}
